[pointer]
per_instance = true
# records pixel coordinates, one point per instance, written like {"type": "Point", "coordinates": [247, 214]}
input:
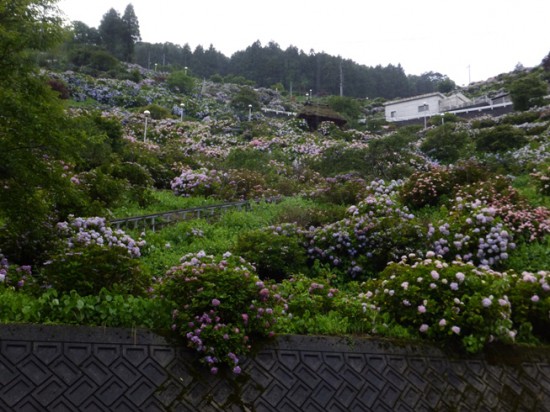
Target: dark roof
{"type": "Point", "coordinates": [314, 114]}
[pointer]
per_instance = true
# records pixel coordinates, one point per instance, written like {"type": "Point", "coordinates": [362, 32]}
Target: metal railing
{"type": "Point", "coordinates": [159, 220]}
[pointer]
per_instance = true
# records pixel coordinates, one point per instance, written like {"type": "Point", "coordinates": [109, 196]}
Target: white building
{"type": "Point", "coordinates": [424, 105]}
{"type": "Point", "coordinates": [427, 105]}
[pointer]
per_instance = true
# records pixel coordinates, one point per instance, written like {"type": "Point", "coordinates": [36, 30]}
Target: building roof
{"type": "Point", "coordinates": [419, 97]}
{"type": "Point", "coordinates": [316, 113]}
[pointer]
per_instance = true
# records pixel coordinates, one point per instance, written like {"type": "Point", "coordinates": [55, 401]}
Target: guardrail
{"type": "Point", "coordinates": [159, 220]}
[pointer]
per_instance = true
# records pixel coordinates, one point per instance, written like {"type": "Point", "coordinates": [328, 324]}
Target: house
{"type": "Point", "coordinates": [419, 108]}
{"type": "Point", "coordinates": [423, 106]}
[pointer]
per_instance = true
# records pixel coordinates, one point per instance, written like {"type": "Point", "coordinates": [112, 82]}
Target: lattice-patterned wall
{"type": "Point", "coordinates": [53, 368]}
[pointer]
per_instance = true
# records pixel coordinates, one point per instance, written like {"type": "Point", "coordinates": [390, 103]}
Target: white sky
{"type": "Point", "coordinates": [466, 39]}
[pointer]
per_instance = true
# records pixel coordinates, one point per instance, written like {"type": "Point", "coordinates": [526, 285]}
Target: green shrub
{"type": "Point", "coordinates": [446, 144]}
{"type": "Point", "coordinates": [221, 306]}
{"type": "Point", "coordinates": [428, 188]}
{"type": "Point", "coordinates": [500, 139]}
{"type": "Point", "coordinates": [529, 295]}
{"type": "Point", "coordinates": [92, 256]}
{"type": "Point", "coordinates": [158, 112]}
{"type": "Point", "coordinates": [180, 82]}
{"type": "Point", "coordinates": [457, 305]}
{"type": "Point", "coordinates": [89, 269]}
{"type": "Point", "coordinates": [378, 230]}
{"type": "Point", "coordinates": [517, 118]}
{"type": "Point", "coordinates": [105, 309]}
{"type": "Point", "coordinates": [277, 252]}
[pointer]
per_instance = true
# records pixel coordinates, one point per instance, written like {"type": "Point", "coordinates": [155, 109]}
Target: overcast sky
{"type": "Point", "coordinates": [467, 40]}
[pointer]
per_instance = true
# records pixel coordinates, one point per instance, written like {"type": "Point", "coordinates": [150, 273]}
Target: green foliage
{"type": "Point", "coordinates": [430, 187]}
{"type": "Point", "coordinates": [528, 91]}
{"type": "Point", "coordinates": [221, 306]}
{"type": "Point", "coordinates": [316, 306]}
{"type": "Point", "coordinates": [92, 60]}
{"type": "Point", "coordinates": [532, 256]}
{"type": "Point", "coordinates": [89, 269]}
{"type": "Point", "coordinates": [35, 139]}
{"type": "Point", "coordinates": [119, 34]}
{"type": "Point", "coordinates": [158, 112]}
{"type": "Point", "coordinates": [500, 139]}
{"type": "Point", "coordinates": [520, 117]}
{"type": "Point", "coordinates": [529, 295]}
{"type": "Point", "coordinates": [245, 97]}
{"type": "Point", "coordinates": [346, 106]}
{"type": "Point", "coordinates": [276, 252]}
{"type": "Point", "coordinates": [390, 157]}
{"type": "Point", "coordinates": [457, 305]}
{"type": "Point", "coordinates": [105, 309]}
{"type": "Point", "coordinates": [180, 82]}
{"type": "Point", "coordinates": [542, 179]}
{"type": "Point", "coordinates": [446, 144]}
{"type": "Point", "coordinates": [338, 160]}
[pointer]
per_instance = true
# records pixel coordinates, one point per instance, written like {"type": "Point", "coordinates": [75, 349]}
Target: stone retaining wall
{"type": "Point", "coordinates": [58, 368]}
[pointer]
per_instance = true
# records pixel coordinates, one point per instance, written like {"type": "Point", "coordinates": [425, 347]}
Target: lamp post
{"type": "Point", "coordinates": [182, 105]}
{"type": "Point", "coordinates": [310, 94]}
{"type": "Point", "coordinates": [146, 113]}
{"type": "Point", "coordinates": [249, 112]}
{"type": "Point", "coordinates": [307, 97]}
{"type": "Point", "coordinates": [185, 69]}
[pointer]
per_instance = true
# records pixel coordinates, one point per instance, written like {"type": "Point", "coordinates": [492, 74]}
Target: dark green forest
{"type": "Point", "coordinates": [291, 70]}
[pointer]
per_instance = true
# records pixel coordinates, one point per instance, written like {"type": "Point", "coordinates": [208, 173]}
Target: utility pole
{"type": "Point", "coordinates": [341, 80]}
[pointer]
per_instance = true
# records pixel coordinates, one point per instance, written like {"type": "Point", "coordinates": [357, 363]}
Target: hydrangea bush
{"type": "Point", "coordinates": [455, 304]}
{"type": "Point", "coordinates": [378, 230]}
{"type": "Point", "coordinates": [471, 233]}
{"type": "Point", "coordinates": [220, 306]}
{"type": "Point", "coordinates": [92, 256]}
{"type": "Point", "coordinates": [13, 275]}
{"type": "Point", "coordinates": [199, 182]}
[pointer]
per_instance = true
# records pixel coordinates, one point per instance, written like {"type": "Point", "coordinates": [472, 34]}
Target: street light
{"type": "Point", "coordinates": [146, 113]}
{"type": "Point", "coordinates": [182, 105]}
{"type": "Point", "coordinates": [185, 68]}
{"type": "Point", "coordinates": [307, 97]}
{"type": "Point", "coordinates": [249, 112]}
{"type": "Point", "coordinates": [311, 94]}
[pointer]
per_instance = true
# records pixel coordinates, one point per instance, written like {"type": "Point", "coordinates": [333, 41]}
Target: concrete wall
{"type": "Point", "coordinates": [55, 368]}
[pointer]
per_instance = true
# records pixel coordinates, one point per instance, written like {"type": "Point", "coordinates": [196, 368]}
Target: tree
{"type": "Point", "coordinates": [34, 135]}
{"type": "Point", "coordinates": [131, 34]}
{"type": "Point", "coordinates": [112, 31]}
{"type": "Point", "coordinates": [119, 34]}
{"type": "Point", "coordinates": [528, 91]}
{"type": "Point", "coordinates": [82, 34]}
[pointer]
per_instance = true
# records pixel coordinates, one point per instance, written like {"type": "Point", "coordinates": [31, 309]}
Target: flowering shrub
{"type": "Point", "coordinates": [276, 251]}
{"type": "Point", "coordinates": [14, 275]}
{"type": "Point", "coordinates": [424, 188]}
{"type": "Point", "coordinates": [81, 232]}
{"type": "Point", "coordinates": [377, 231]}
{"type": "Point", "coordinates": [222, 306]}
{"type": "Point", "coordinates": [529, 295]}
{"type": "Point", "coordinates": [200, 182]}
{"type": "Point", "coordinates": [342, 190]}
{"type": "Point", "coordinates": [542, 178]}
{"type": "Point", "coordinates": [447, 303]}
{"type": "Point", "coordinates": [525, 221]}
{"type": "Point", "coordinates": [92, 256]}
{"type": "Point", "coordinates": [471, 234]}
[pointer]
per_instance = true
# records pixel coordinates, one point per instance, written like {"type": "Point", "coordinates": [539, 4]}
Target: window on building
{"type": "Point", "coordinates": [424, 108]}
{"type": "Point", "coordinates": [393, 114]}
